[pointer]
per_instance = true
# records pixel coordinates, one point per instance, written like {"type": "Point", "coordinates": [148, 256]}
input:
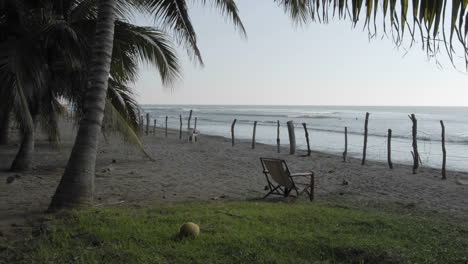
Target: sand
{"type": "Point", "coordinates": [211, 169]}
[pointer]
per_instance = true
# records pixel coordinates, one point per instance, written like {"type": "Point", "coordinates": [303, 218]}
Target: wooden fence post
{"type": "Point", "coordinates": [141, 124]}
{"type": "Point", "coordinates": [195, 129]}
{"type": "Point", "coordinates": [389, 149]}
{"type": "Point", "coordinates": [189, 119]}
{"type": "Point", "coordinates": [154, 127]}
{"type": "Point", "coordinates": [364, 150]}
{"type": "Point", "coordinates": [415, 144]}
{"type": "Point", "coordinates": [345, 152]}
{"type": "Point", "coordinates": [292, 137]}
{"type": "Point", "coordinates": [232, 131]}
{"type": "Point", "coordinates": [139, 120]}
{"type": "Point", "coordinates": [166, 127]}
{"type": "Point", "coordinates": [253, 136]}
{"type": "Point", "coordinates": [180, 129]}
{"type": "Point", "coordinates": [147, 123]}
{"type": "Point", "coordinates": [444, 151]}
{"type": "Point", "coordinates": [307, 138]}
{"type": "Point", "coordinates": [278, 138]}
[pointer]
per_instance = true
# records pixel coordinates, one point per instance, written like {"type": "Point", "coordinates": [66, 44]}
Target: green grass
{"type": "Point", "coordinates": [243, 232]}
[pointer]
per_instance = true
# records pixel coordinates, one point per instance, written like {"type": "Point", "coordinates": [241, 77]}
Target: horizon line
{"type": "Point", "coordinates": [307, 105]}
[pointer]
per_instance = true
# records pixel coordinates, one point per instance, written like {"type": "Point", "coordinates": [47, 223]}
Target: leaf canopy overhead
{"type": "Point", "coordinates": [431, 23]}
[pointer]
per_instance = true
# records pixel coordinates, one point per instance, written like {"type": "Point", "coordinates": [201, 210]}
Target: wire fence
{"type": "Point", "coordinates": [429, 144]}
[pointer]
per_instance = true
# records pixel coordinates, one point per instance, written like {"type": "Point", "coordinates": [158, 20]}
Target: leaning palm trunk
{"type": "Point", "coordinates": [24, 159]}
{"type": "Point", "coordinates": [77, 184]}
{"type": "Point", "coordinates": [4, 127]}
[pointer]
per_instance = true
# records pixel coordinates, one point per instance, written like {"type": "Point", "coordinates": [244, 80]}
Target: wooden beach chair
{"type": "Point", "coordinates": [282, 182]}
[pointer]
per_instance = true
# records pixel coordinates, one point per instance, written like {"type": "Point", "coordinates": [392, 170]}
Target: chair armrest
{"type": "Point", "coordinates": [302, 174]}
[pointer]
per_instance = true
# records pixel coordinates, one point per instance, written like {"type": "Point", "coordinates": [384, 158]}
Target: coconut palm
{"type": "Point", "coordinates": [66, 68]}
{"type": "Point", "coordinates": [20, 67]}
{"type": "Point", "coordinates": [77, 184]}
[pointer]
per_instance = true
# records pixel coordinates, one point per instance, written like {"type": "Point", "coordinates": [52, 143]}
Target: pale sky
{"type": "Point", "coordinates": [281, 64]}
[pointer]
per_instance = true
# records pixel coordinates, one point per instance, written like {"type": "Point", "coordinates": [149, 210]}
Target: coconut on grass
{"type": "Point", "coordinates": [189, 229]}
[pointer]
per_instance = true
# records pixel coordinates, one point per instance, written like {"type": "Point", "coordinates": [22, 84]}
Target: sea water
{"type": "Point", "coordinates": [326, 128]}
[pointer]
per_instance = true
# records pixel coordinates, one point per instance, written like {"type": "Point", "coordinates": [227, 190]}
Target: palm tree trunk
{"type": "Point", "coordinates": [24, 158]}
{"type": "Point", "coordinates": [76, 187]}
{"type": "Point", "coordinates": [4, 127]}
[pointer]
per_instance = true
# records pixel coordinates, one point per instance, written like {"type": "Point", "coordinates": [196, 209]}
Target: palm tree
{"type": "Point", "coordinates": [19, 70]}
{"type": "Point", "coordinates": [77, 184]}
{"type": "Point", "coordinates": [133, 44]}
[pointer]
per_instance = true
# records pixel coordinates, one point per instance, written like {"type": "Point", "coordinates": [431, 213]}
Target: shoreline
{"type": "Point", "coordinates": [212, 170]}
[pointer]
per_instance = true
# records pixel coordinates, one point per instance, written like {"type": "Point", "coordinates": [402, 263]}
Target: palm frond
{"type": "Point", "coordinates": [174, 15]}
{"type": "Point", "coordinates": [300, 11]}
{"type": "Point", "coordinates": [114, 122]}
{"type": "Point", "coordinates": [228, 8]}
{"type": "Point", "coordinates": [146, 44]}
{"type": "Point", "coordinates": [123, 101]}
{"type": "Point", "coordinates": [49, 110]}
{"type": "Point", "coordinates": [422, 19]}
{"type": "Point", "coordinates": [22, 69]}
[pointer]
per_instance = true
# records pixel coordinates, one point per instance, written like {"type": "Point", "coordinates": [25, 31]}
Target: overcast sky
{"type": "Point", "coordinates": [314, 65]}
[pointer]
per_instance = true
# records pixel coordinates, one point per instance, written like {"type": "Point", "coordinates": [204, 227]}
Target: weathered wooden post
{"type": "Point", "coordinates": [389, 149]}
{"type": "Point", "coordinates": [415, 144]}
{"type": "Point", "coordinates": [444, 151]}
{"type": "Point", "coordinates": [154, 127]}
{"type": "Point", "coordinates": [364, 149]}
{"type": "Point", "coordinates": [189, 119]}
{"type": "Point", "coordinates": [195, 129]}
{"type": "Point", "coordinates": [180, 129]}
{"type": "Point", "coordinates": [307, 138]}
{"type": "Point", "coordinates": [147, 123]}
{"type": "Point", "coordinates": [292, 137]}
{"type": "Point", "coordinates": [166, 127]}
{"type": "Point", "coordinates": [278, 138]}
{"type": "Point", "coordinates": [139, 120]}
{"type": "Point", "coordinates": [232, 131]}
{"type": "Point", "coordinates": [141, 124]}
{"type": "Point", "coordinates": [345, 152]}
{"type": "Point", "coordinates": [253, 136]}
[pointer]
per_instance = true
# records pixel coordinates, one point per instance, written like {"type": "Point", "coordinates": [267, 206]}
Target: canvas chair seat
{"type": "Point", "coordinates": [282, 182]}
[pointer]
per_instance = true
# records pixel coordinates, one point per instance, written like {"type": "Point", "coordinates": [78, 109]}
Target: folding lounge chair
{"type": "Point", "coordinates": [277, 172]}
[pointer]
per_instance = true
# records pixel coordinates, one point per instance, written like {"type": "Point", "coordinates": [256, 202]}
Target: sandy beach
{"type": "Point", "coordinates": [211, 169]}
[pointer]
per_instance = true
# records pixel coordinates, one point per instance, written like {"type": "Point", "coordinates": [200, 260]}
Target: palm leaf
{"type": "Point", "coordinates": [147, 45]}
{"type": "Point", "coordinates": [114, 122]}
{"type": "Point", "coordinates": [427, 19]}
{"type": "Point", "coordinates": [174, 15]}
{"type": "Point", "coordinates": [299, 10]}
{"type": "Point", "coordinates": [228, 8]}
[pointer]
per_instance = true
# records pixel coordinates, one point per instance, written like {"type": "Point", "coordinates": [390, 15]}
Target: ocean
{"type": "Point", "coordinates": [326, 128]}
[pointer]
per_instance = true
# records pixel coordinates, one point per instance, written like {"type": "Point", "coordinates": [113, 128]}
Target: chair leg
{"type": "Point", "coordinates": [306, 190]}
{"type": "Point", "coordinates": [310, 194]}
{"type": "Point", "coordinates": [312, 187]}
{"type": "Point", "coordinates": [272, 190]}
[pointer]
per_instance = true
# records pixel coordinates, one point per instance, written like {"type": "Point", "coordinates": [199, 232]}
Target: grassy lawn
{"type": "Point", "coordinates": [242, 232]}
